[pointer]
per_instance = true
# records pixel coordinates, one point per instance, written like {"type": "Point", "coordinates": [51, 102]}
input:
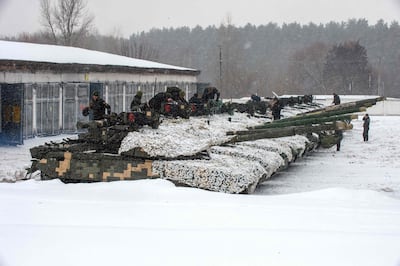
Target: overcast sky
{"type": "Point", "coordinates": [124, 17]}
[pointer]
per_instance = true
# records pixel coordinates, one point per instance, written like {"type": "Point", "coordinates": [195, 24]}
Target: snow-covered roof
{"type": "Point", "coordinates": [21, 51]}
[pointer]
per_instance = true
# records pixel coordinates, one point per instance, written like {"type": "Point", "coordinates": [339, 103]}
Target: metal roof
{"type": "Point", "coordinates": [54, 54]}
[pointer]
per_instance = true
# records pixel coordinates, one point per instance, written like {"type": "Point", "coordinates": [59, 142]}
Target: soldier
{"type": "Point", "coordinates": [174, 92]}
{"type": "Point", "coordinates": [98, 107]}
{"type": "Point", "coordinates": [136, 104]}
{"type": "Point", "coordinates": [195, 99]}
{"type": "Point", "coordinates": [336, 99]}
{"type": "Point", "coordinates": [339, 136]}
{"type": "Point", "coordinates": [196, 105]}
{"type": "Point", "coordinates": [158, 99]}
{"type": "Point", "coordinates": [366, 126]}
{"type": "Point", "coordinates": [276, 108]}
{"type": "Point", "coordinates": [181, 98]}
{"type": "Point", "coordinates": [255, 98]}
{"type": "Point", "coordinates": [210, 93]}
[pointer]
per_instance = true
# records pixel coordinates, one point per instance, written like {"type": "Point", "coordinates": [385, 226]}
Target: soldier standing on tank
{"type": "Point", "coordinates": [98, 107]}
{"type": "Point", "coordinates": [276, 107]}
{"type": "Point", "coordinates": [136, 104]}
{"type": "Point", "coordinates": [196, 104]}
{"type": "Point", "coordinates": [158, 99]}
{"type": "Point", "coordinates": [210, 93]}
{"type": "Point", "coordinates": [195, 99]}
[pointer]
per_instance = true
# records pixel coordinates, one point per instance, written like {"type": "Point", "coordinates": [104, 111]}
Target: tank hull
{"type": "Point", "coordinates": [92, 167]}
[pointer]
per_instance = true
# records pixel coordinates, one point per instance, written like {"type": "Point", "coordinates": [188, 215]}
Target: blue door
{"type": "Point", "coordinates": [12, 98]}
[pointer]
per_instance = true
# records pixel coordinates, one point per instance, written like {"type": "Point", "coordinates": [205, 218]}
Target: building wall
{"type": "Point", "coordinates": [52, 108]}
{"type": "Point", "coordinates": [53, 100]}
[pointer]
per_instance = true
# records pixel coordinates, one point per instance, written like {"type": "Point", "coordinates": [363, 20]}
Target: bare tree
{"type": "Point", "coordinates": [305, 69]}
{"type": "Point", "coordinates": [138, 48]}
{"type": "Point", "coordinates": [67, 22]}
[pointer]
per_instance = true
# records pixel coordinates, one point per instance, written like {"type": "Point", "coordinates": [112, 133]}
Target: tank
{"type": "Point", "coordinates": [222, 165]}
{"type": "Point", "coordinates": [218, 153]}
{"type": "Point", "coordinates": [93, 156]}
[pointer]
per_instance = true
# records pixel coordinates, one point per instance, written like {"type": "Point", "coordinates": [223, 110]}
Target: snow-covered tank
{"type": "Point", "coordinates": [194, 152]}
{"type": "Point", "coordinates": [224, 152]}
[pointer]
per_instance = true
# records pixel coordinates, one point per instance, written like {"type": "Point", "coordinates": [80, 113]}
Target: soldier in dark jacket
{"type": "Point", "coordinates": [210, 93]}
{"type": "Point", "coordinates": [336, 99]}
{"type": "Point", "coordinates": [196, 105]}
{"type": "Point", "coordinates": [366, 126]}
{"type": "Point", "coordinates": [195, 99]}
{"type": "Point", "coordinates": [339, 136]}
{"type": "Point", "coordinates": [98, 107]}
{"type": "Point", "coordinates": [158, 99]}
{"type": "Point", "coordinates": [276, 107]}
{"type": "Point", "coordinates": [136, 103]}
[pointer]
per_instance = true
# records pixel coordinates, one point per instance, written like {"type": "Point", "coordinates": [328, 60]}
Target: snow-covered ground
{"type": "Point", "coordinates": [329, 208]}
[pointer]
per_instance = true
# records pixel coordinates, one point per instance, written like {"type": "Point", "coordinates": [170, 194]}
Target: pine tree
{"type": "Point", "coordinates": [347, 70]}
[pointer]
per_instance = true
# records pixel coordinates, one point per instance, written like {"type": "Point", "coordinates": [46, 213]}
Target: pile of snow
{"type": "Point", "coordinates": [183, 137]}
{"type": "Point", "coordinates": [327, 208]}
{"type": "Point", "coordinates": [234, 169]}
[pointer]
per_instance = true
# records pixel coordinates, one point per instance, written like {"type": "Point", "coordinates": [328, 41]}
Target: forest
{"type": "Point", "coordinates": [351, 57]}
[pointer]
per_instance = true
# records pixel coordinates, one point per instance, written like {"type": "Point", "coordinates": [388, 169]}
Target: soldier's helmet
{"type": "Point", "coordinates": [139, 93]}
{"type": "Point", "coordinates": [96, 93]}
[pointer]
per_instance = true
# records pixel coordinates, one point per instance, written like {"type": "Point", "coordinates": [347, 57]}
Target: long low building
{"type": "Point", "coordinates": [43, 88]}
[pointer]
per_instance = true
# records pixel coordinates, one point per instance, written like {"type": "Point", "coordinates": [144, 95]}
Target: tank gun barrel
{"type": "Point", "coordinates": [307, 121]}
{"type": "Point", "coordinates": [241, 136]}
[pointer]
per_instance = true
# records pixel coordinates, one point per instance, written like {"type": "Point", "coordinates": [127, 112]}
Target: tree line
{"type": "Point", "coordinates": [351, 57]}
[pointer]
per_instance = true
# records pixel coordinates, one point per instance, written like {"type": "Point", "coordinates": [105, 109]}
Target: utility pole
{"type": "Point", "coordinates": [381, 86]}
{"type": "Point", "coordinates": [220, 67]}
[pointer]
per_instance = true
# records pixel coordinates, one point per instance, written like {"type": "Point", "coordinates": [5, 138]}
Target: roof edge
{"type": "Point", "coordinates": [34, 66]}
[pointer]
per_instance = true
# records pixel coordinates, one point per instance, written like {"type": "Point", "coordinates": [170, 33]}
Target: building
{"type": "Point", "coordinates": [43, 88]}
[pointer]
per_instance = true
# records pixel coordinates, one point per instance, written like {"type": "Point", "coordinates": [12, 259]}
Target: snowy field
{"type": "Point", "coordinates": [329, 208]}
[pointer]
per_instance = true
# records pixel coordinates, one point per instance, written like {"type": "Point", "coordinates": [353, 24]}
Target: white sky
{"type": "Point", "coordinates": [124, 17]}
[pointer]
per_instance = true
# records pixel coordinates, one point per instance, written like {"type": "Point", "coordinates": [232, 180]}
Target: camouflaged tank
{"type": "Point", "coordinates": [233, 163]}
{"type": "Point", "coordinates": [94, 155]}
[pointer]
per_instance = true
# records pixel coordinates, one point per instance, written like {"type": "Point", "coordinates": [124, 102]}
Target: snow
{"type": "Point", "coordinates": [71, 55]}
{"type": "Point", "coordinates": [328, 208]}
{"type": "Point", "coordinates": [174, 137]}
